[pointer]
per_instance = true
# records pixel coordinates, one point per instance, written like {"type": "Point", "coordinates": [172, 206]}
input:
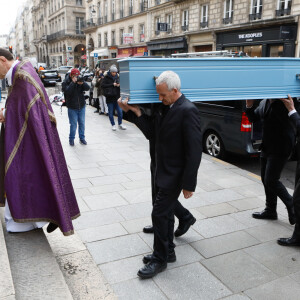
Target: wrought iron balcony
{"type": "Point", "coordinates": [227, 20]}
{"type": "Point", "coordinates": [256, 16]}
{"type": "Point", "coordinates": [204, 24]}
{"type": "Point", "coordinates": [157, 32]}
{"type": "Point", "coordinates": [185, 27]}
{"type": "Point", "coordinates": [56, 35]}
{"type": "Point", "coordinates": [283, 12]}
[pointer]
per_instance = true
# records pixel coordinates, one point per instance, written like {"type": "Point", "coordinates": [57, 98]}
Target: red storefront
{"type": "Point", "coordinates": [132, 51]}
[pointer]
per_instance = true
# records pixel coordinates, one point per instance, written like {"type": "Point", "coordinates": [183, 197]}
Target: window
{"type": "Point", "coordinates": [130, 7]}
{"type": "Point", "coordinates": [256, 9]}
{"type": "Point", "coordinates": [283, 7]}
{"type": "Point", "coordinates": [185, 20]}
{"type": "Point", "coordinates": [113, 7]}
{"type": "Point", "coordinates": [121, 8]}
{"type": "Point", "coordinates": [99, 40]}
{"type": "Point", "coordinates": [105, 39]}
{"type": "Point", "coordinates": [79, 25]}
{"type": "Point", "coordinates": [121, 36]}
{"type": "Point", "coordinates": [105, 11]}
{"type": "Point", "coordinates": [169, 22]}
{"type": "Point", "coordinates": [204, 16]}
{"type": "Point", "coordinates": [157, 20]}
{"type": "Point", "coordinates": [113, 38]}
{"type": "Point", "coordinates": [79, 2]}
{"type": "Point", "coordinates": [228, 11]}
{"type": "Point", "coordinates": [142, 33]}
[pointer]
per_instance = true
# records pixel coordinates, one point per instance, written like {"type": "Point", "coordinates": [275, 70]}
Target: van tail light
{"type": "Point", "coordinates": [245, 124]}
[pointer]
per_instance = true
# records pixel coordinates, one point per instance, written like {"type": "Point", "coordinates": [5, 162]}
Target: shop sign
{"type": "Point", "coordinates": [249, 37]}
{"type": "Point", "coordinates": [140, 50]}
{"type": "Point", "coordinates": [69, 48]}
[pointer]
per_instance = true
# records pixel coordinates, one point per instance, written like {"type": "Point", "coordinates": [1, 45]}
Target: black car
{"type": "Point", "coordinates": [49, 77]}
{"type": "Point", "coordinates": [226, 128]}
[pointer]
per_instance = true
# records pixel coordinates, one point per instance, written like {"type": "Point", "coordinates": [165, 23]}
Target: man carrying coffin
{"type": "Point", "coordinates": [277, 144]}
{"type": "Point", "coordinates": [176, 135]}
{"type": "Point", "coordinates": [35, 185]}
{"type": "Point", "coordinates": [294, 116]}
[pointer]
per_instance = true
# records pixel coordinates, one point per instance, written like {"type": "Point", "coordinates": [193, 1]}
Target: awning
{"type": "Point", "coordinates": [139, 54]}
{"type": "Point", "coordinates": [100, 52]}
{"type": "Point", "coordinates": [123, 55]}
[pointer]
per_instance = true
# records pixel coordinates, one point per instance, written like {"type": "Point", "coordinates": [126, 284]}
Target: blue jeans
{"type": "Point", "coordinates": [76, 116]}
{"type": "Point", "coordinates": [111, 107]}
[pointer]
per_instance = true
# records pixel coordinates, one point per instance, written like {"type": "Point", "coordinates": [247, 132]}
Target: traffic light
{"type": "Point", "coordinates": [10, 49]}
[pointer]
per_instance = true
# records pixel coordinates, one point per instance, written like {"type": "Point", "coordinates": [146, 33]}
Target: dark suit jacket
{"type": "Point", "coordinates": [295, 119]}
{"type": "Point", "coordinates": [176, 142]}
{"type": "Point", "coordinates": [278, 133]}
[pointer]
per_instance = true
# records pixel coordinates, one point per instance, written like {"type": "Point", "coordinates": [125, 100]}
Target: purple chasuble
{"type": "Point", "coordinates": [37, 183]}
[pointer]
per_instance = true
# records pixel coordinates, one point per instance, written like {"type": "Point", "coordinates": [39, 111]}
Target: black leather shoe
{"type": "Point", "coordinates": [51, 227]}
{"type": "Point", "coordinates": [292, 241]}
{"type": "Point", "coordinates": [151, 269]}
{"type": "Point", "coordinates": [148, 229]}
{"type": "Point", "coordinates": [171, 258]}
{"type": "Point", "coordinates": [184, 226]}
{"type": "Point", "coordinates": [265, 214]}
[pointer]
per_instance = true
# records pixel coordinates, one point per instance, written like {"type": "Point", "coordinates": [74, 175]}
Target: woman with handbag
{"type": "Point", "coordinates": [111, 90]}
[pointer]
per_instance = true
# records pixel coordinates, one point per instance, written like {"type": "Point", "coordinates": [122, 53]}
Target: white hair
{"type": "Point", "coordinates": [170, 78]}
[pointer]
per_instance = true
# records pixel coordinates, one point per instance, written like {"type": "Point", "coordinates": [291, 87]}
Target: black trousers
{"type": "Point", "coordinates": [163, 223]}
{"type": "Point", "coordinates": [271, 168]}
{"type": "Point", "coordinates": [296, 197]}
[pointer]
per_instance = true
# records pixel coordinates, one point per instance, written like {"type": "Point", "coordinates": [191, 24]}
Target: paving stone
{"type": "Point", "coordinates": [85, 173]}
{"type": "Point", "coordinates": [102, 232]}
{"type": "Point", "coordinates": [102, 189]}
{"type": "Point", "coordinates": [270, 231]}
{"type": "Point", "coordinates": [217, 210]}
{"type": "Point", "coordinates": [12, 297]}
{"type": "Point", "coordinates": [224, 243]}
{"type": "Point", "coordinates": [281, 260]}
{"type": "Point", "coordinates": [144, 183]}
{"type": "Point", "coordinates": [113, 179]}
{"type": "Point", "coordinates": [136, 225]}
{"type": "Point", "coordinates": [117, 248]}
{"type": "Point", "coordinates": [137, 210]}
{"type": "Point", "coordinates": [121, 169]}
{"type": "Point", "coordinates": [122, 270]}
{"type": "Point", "coordinates": [110, 163]}
{"type": "Point", "coordinates": [295, 276]}
{"type": "Point", "coordinates": [208, 185]}
{"type": "Point", "coordinates": [250, 190]}
{"type": "Point", "coordinates": [139, 175]}
{"type": "Point", "coordinates": [97, 218]}
{"type": "Point", "coordinates": [81, 183]}
{"type": "Point", "coordinates": [236, 297]}
{"type": "Point", "coordinates": [193, 281]}
{"type": "Point", "coordinates": [82, 205]}
{"type": "Point", "coordinates": [82, 166]}
{"type": "Point", "coordinates": [245, 217]}
{"type": "Point", "coordinates": [118, 156]}
{"type": "Point", "coordinates": [220, 196]}
{"type": "Point", "coordinates": [138, 289]}
{"type": "Point", "coordinates": [247, 203]}
{"type": "Point", "coordinates": [102, 201]}
{"type": "Point", "coordinates": [279, 289]}
{"type": "Point", "coordinates": [194, 202]}
{"type": "Point", "coordinates": [217, 226]}
{"type": "Point", "coordinates": [238, 270]}
{"type": "Point", "coordinates": [82, 192]}
{"type": "Point", "coordinates": [137, 195]}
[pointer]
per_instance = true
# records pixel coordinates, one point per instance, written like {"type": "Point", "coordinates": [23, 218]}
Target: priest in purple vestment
{"type": "Point", "coordinates": [35, 184]}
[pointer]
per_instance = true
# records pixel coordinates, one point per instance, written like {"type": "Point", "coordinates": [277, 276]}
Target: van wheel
{"type": "Point", "coordinates": [213, 145]}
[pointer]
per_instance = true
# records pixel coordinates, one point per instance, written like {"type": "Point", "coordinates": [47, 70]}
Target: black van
{"type": "Point", "coordinates": [226, 128]}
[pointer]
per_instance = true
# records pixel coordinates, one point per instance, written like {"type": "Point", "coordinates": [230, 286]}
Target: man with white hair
{"type": "Point", "coordinates": [174, 130]}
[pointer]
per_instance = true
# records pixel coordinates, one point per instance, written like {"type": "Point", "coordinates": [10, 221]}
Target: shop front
{"type": "Point", "coordinates": [276, 41]}
{"type": "Point", "coordinates": [132, 51]}
{"type": "Point", "coordinates": [201, 42]}
{"type": "Point", "coordinates": [166, 47]}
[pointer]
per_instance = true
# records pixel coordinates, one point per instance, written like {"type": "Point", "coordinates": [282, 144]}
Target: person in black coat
{"type": "Point", "coordinates": [111, 90]}
{"type": "Point", "coordinates": [178, 149]}
{"type": "Point", "coordinates": [277, 144]}
{"type": "Point", "coordinates": [294, 116]}
{"type": "Point", "coordinates": [75, 101]}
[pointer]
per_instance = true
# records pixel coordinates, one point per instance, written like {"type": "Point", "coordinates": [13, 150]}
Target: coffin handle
{"type": "Point", "coordinates": [298, 76]}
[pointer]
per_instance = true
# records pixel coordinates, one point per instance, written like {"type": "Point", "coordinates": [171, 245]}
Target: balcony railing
{"type": "Point", "coordinates": [88, 23]}
{"type": "Point", "coordinates": [105, 19]}
{"type": "Point", "coordinates": [283, 12]}
{"type": "Point", "coordinates": [100, 21]}
{"type": "Point", "coordinates": [56, 35]}
{"type": "Point", "coordinates": [185, 27]}
{"type": "Point", "coordinates": [157, 32]}
{"type": "Point", "coordinates": [227, 20]}
{"type": "Point", "coordinates": [256, 16]}
{"type": "Point", "coordinates": [204, 24]}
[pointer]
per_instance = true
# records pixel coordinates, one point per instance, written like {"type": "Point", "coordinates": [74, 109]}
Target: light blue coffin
{"type": "Point", "coordinates": [213, 79]}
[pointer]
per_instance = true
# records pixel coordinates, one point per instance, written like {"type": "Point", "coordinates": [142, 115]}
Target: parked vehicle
{"type": "Point", "coordinates": [64, 69]}
{"type": "Point", "coordinates": [49, 77]}
{"type": "Point", "coordinates": [226, 128]}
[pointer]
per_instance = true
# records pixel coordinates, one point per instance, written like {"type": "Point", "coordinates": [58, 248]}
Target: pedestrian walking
{"type": "Point", "coordinates": [175, 130]}
{"type": "Point", "coordinates": [277, 143]}
{"type": "Point", "coordinates": [98, 93]}
{"type": "Point", "coordinates": [74, 87]}
{"type": "Point", "coordinates": [294, 116]}
{"type": "Point", "coordinates": [35, 185]}
{"type": "Point", "coordinates": [111, 90]}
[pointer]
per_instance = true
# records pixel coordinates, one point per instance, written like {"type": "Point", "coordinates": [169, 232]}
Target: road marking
{"type": "Point", "coordinates": [220, 161]}
{"type": "Point", "coordinates": [255, 176]}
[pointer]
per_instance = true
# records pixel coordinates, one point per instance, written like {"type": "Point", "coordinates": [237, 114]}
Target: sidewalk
{"type": "Point", "coordinates": [226, 254]}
